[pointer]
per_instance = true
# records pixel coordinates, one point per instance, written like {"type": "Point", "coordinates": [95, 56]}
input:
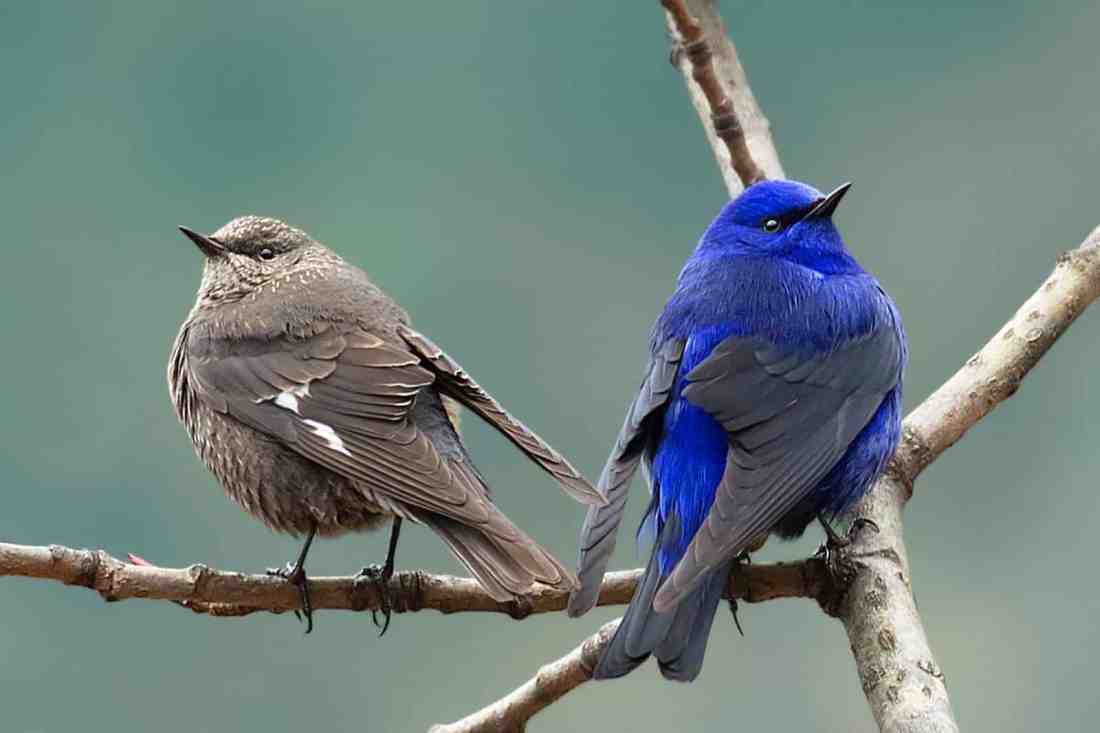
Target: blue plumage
{"type": "Point", "coordinates": [772, 398]}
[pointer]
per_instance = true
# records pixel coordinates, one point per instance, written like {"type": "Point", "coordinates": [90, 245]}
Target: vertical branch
{"type": "Point", "coordinates": [738, 131]}
{"type": "Point", "coordinates": [899, 675]}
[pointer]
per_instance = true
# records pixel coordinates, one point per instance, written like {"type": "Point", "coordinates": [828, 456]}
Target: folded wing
{"type": "Point", "coordinates": [790, 416]}
{"type": "Point", "coordinates": [344, 399]}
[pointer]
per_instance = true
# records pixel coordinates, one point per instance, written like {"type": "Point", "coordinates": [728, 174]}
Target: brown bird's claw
{"type": "Point", "coordinates": [295, 574]}
{"type": "Point", "coordinates": [379, 576]}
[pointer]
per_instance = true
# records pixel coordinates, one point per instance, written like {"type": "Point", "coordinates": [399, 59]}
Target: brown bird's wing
{"type": "Point", "coordinates": [454, 382]}
{"type": "Point", "coordinates": [790, 417]}
{"type": "Point", "coordinates": [346, 399]}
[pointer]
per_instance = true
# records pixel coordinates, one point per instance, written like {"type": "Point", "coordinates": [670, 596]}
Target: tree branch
{"type": "Point", "coordinates": [511, 713]}
{"type": "Point", "coordinates": [749, 129]}
{"type": "Point", "coordinates": [994, 373]}
{"type": "Point", "coordinates": [228, 594]}
{"type": "Point", "coordinates": [903, 683]}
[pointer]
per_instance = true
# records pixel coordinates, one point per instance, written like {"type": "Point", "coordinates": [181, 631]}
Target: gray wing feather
{"type": "Point", "coordinates": [601, 524]}
{"type": "Point", "coordinates": [345, 399]}
{"type": "Point", "coordinates": [453, 381]}
{"type": "Point", "coordinates": [790, 417]}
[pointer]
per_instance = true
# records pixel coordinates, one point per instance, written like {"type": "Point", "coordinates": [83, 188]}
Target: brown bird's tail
{"type": "Point", "coordinates": [505, 560]}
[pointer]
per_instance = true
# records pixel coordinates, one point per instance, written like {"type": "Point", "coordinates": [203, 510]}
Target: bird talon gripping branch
{"type": "Point", "coordinates": [376, 575]}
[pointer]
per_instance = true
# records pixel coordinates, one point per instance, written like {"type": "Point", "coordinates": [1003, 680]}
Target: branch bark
{"type": "Point", "coordinates": [228, 594]}
{"type": "Point", "coordinates": [730, 75]}
{"type": "Point", "coordinates": [511, 713]}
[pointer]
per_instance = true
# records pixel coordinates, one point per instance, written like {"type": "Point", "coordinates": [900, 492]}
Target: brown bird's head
{"type": "Point", "coordinates": [253, 253]}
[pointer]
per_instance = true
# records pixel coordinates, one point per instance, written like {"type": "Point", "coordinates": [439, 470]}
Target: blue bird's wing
{"type": "Point", "coordinates": [602, 522]}
{"type": "Point", "coordinates": [790, 416]}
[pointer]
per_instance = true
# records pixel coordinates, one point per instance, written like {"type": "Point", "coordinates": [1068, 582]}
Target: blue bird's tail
{"type": "Point", "coordinates": [678, 638]}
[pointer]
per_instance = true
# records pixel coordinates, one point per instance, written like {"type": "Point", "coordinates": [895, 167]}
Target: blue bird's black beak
{"type": "Point", "coordinates": [825, 208]}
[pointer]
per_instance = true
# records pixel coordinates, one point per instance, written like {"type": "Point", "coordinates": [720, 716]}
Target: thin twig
{"type": "Point", "coordinates": [552, 682]}
{"type": "Point", "coordinates": [739, 133]}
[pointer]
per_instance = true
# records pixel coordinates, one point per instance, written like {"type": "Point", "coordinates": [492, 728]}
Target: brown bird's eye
{"type": "Point", "coordinates": [771, 226]}
{"type": "Point", "coordinates": [267, 254]}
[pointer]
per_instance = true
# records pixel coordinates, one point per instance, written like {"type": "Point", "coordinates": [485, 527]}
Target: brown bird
{"type": "Point", "coordinates": [321, 411]}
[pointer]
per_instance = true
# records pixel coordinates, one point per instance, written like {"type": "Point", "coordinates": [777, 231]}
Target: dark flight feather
{"type": "Point", "coordinates": [602, 523]}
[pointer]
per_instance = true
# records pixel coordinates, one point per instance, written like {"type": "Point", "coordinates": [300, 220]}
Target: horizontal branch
{"type": "Point", "coordinates": [228, 594]}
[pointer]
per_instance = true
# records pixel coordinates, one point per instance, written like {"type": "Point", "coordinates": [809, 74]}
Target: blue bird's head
{"type": "Point", "coordinates": [785, 219]}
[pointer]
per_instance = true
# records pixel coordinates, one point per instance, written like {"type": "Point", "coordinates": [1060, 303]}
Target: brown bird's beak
{"type": "Point", "coordinates": [827, 205]}
{"type": "Point", "coordinates": [209, 247]}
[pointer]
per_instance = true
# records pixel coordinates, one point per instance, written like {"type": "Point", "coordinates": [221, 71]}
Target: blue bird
{"type": "Point", "coordinates": [772, 398]}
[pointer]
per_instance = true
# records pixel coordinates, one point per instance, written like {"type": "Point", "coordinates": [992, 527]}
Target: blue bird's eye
{"type": "Point", "coordinates": [267, 254]}
{"type": "Point", "coordinates": [771, 226]}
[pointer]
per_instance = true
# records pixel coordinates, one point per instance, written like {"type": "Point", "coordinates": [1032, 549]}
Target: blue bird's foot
{"type": "Point", "coordinates": [834, 542]}
{"type": "Point", "coordinates": [743, 559]}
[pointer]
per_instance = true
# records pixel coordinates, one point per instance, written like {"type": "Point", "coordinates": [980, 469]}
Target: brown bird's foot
{"type": "Point", "coordinates": [743, 559]}
{"type": "Point", "coordinates": [379, 576]}
{"type": "Point", "coordinates": [295, 572]}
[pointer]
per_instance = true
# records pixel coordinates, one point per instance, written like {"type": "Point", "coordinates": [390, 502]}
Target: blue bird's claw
{"type": "Point", "coordinates": [742, 559]}
{"type": "Point", "coordinates": [736, 620]}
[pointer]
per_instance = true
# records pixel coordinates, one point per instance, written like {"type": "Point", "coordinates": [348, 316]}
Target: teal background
{"type": "Point", "coordinates": [526, 178]}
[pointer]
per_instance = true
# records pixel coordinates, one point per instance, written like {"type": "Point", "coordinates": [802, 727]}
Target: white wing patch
{"type": "Point", "coordinates": [288, 400]}
{"type": "Point", "coordinates": [328, 434]}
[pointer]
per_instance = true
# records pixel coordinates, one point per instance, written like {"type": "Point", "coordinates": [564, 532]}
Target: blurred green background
{"type": "Point", "coordinates": [526, 178]}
